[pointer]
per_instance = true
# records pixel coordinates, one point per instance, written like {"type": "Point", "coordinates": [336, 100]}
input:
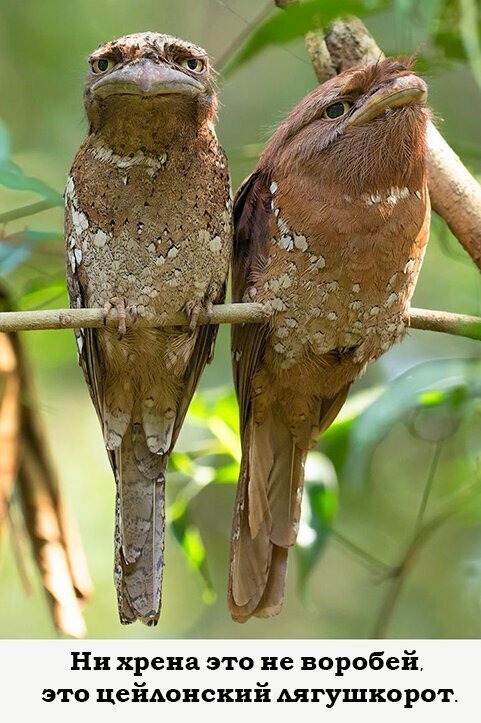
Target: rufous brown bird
{"type": "Point", "coordinates": [149, 233]}
{"type": "Point", "coordinates": [330, 232]}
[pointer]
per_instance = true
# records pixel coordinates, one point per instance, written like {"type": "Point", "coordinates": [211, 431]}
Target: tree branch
{"type": "Point", "coordinates": [425, 319]}
{"type": "Point", "coordinates": [95, 318]}
{"type": "Point", "coordinates": [455, 194]}
{"type": "Point", "coordinates": [446, 322]}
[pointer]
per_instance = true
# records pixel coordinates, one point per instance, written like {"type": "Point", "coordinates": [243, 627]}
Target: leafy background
{"type": "Point", "coordinates": [390, 541]}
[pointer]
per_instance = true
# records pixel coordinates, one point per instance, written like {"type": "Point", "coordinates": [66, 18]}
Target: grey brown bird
{"type": "Point", "coordinates": [148, 230]}
{"type": "Point", "coordinates": [330, 232]}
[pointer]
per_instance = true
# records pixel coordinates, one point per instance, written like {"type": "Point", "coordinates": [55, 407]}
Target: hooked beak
{"type": "Point", "coordinates": [146, 78]}
{"type": "Point", "coordinates": [403, 91]}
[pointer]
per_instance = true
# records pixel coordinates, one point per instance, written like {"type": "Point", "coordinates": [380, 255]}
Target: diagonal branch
{"type": "Point", "coordinates": [420, 538]}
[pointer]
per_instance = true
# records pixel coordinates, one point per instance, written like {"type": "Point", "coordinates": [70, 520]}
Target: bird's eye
{"type": "Point", "coordinates": [102, 65]}
{"type": "Point", "coordinates": [336, 110]}
{"type": "Point", "coordinates": [195, 64]}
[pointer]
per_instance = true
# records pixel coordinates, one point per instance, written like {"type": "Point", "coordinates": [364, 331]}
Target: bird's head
{"type": "Point", "coordinates": [363, 129]}
{"type": "Point", "coordinates": [149, 74]}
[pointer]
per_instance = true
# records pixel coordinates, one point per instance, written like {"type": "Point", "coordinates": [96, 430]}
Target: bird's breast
{"type": "Point", "coordinates": [155, 233]}
{"type": "Point", "coordinates": [339, 282]}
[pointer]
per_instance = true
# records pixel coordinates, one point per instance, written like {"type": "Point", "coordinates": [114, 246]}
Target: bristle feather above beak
{"type": "Point", "coordinates": [146, 77]}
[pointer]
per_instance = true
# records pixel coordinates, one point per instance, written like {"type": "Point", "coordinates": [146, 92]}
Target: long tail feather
{"type": "Point", "coordinates": [265, 520]}
{"type": "Point", "coordinates": [268, 504]}
{"type": "Point", "coordinates": [140, 529]}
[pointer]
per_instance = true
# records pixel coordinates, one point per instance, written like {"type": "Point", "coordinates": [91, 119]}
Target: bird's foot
{"type": "Point", "coordinates": [125, 312]}
{"type": "Point", "coordinates": [249, 295]}
{"type": "Point", "coordinates": [195, 309]}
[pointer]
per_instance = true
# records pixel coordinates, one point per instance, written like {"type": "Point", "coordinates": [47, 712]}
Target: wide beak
{"type": "Point", "coordinates": [401, 92]}
{"type": "Point", "coordinates": [146, 78]}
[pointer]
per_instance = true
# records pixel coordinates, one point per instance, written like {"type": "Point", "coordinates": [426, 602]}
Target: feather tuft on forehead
{"type": "Point", "coordinates": [148, 44]}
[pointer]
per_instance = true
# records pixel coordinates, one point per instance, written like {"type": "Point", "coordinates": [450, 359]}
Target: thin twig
{"type": "Point", "coordinates": [389, 604]}
{"type": "Point", "coordinates": [428, 486]}
{"type": "Point", "coordinates": [29, 210]}
{"type": "Point", "coordinates": [359, 552]}
{"type": "Point", "coordinates": [242, 36]}
{"type": "Point", "coordinates": [400, 572]}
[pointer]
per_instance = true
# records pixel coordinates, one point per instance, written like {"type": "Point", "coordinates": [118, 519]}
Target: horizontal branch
{"type": "Point", "coordinates": [441, 321]}
{"type": "Point", "coordinates": [95, 318]}
{"type": "Point", "coordinates": [446, 322]}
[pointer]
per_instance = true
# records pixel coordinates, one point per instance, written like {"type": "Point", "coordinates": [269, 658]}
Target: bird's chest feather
{"type": "Point", "coordinates": [344, 279]}
{"type": "Point", "coordinates": [152, 228]}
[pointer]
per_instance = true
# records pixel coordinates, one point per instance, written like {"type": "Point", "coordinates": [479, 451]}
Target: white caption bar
{"type": "Point", "coordinates": [216, 680]}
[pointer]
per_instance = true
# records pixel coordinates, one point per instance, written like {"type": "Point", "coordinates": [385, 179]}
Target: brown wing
{"type": "Point", "coordinates": [202, 354]}
{"type": "Point", "coordinates": [267, 510]}
{"type": "Point", "coordinates": [88, 355]}
{"type": "Point", "coordinates": [252, 215]}
{"type": "Point", "coordinates": [86, 341]}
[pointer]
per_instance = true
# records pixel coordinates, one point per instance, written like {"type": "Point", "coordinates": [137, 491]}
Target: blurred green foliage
{"type": "Point", "coordinates": [399, 467]}
{"type": "Point", "coordinates": [457, 25]}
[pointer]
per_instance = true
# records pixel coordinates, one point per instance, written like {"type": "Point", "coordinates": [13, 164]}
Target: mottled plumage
{"type": "Point", "coordinates": [148, 231]}
{"type": "Point", "coordinates": [330, 232]}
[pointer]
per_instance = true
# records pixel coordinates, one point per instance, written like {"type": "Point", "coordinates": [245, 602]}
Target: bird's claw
{"type": "Point", "coordinates": [209, 310]}
{"type": "Point", "coordinates": [249, 295]}
{"type": "Point", "coordinates": [124, 311]}
{"type": "Point", "coordinates": [194, 311]}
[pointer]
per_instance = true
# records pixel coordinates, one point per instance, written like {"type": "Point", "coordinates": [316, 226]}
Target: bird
{"type": "Point", "coordinates": [148, 228]}
{"type": "Point", "coordinates": [330, 231]}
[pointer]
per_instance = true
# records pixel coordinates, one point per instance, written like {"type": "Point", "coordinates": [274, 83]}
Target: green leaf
{"type": "Point", "coordinates": [4, 143]}
{"type": "Point", "coordinates": [295, 21]}
{"type": "Point", "coordinates": [228, 474]}
{"type": "Point", "coordinates": [451, 44]}
{"type": "Point", "coordinates": [188, 536]}
{"type": "Point", "coordinates": [226, 436]}
{"type": "Point", "coordinates": [17, 247]}
{"type": "Point", "coordinates": [182, 463]}
{"type": "Point", "coordinates": [30, 235]}
{"type": "Point", "coordinates": [470, 36]}
{"type": "Point", "coordinates": [13, 254]}
{"type": "Point", "coordinates": [336, 441]}
{"type": "Point", "coordinates": [444, 382]}
{"type": "Point", "coordinates": [13, 177]}
{"type": "Point", "coordinates": [321, 502]}
{"type": "Point", "coordinates": [425, 10]}
{"type": "Point", "coordinates": [43, 292]}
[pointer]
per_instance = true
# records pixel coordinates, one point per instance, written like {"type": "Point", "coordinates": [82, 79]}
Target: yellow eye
{"type": "Point", "coordinates": [102, 65]}
{"type": "Point", "coordinates": [336, 110]}
{"type": "Point", "coordinates": [196, 65]}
